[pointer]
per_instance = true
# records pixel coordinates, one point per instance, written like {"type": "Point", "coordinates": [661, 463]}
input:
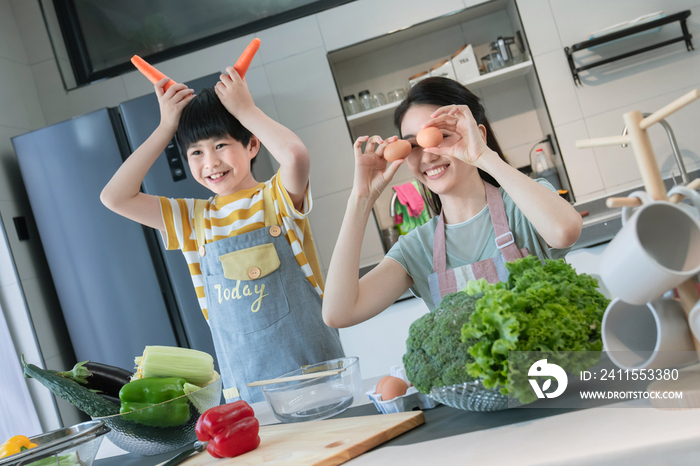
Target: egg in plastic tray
{"type": "Point", "coordinates": [411, 400]}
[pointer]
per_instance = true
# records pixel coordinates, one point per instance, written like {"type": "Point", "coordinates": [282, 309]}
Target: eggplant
{"type": "Point", "coordinates": [99, 377]}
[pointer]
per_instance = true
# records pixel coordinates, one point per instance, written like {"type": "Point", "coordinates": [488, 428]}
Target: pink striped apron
{"type": "Point", "coordinates": [445, 281]}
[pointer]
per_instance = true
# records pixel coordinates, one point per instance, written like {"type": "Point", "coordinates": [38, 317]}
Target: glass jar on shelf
{"type": "Point", "coordinates": [351, 104]}
{"type": "Point", "coordinates": [396, 95]}
{"type": "Point", "coordinates": [365, 100]}
{"type": "Point", "coordinates": [377, 100]}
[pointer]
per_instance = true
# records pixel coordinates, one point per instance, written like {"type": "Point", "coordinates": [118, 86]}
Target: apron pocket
{"type": "Point", "coordinates": [251, 263]}
{"type": "Point", "coordinates": [249, 295]}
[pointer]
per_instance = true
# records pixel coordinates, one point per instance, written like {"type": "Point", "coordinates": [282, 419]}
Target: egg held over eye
{"type": "Point", "coordinates": [429, 137]}
{"type": "Point", "coordinates": [397, 150]}
{"type": "Point", "coordinates": [390, 387]}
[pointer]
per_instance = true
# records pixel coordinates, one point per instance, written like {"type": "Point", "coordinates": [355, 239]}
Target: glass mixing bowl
{"type": "Point", "coordinates": [147, 440]}
{"type": "Point", "coordinates": [319, 398]}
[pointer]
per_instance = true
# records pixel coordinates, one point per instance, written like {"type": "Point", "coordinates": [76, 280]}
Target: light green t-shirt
{"type": "Point", "coordinates": [466, 243]}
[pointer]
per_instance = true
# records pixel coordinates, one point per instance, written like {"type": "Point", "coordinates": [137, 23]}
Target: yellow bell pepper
{"type": "Point", "coordinates": [15, 445]}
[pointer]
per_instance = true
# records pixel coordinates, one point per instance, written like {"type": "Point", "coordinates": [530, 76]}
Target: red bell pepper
{"type": "Point", "coordinates": [231, 429]}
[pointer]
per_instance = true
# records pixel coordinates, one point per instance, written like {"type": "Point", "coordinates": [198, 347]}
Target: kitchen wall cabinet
{"type": "Point", "coordinates": [512, 96]}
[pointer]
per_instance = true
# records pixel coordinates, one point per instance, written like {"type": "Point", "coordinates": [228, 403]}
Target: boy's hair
{"type": "Point", "coordinates": [205, 117]}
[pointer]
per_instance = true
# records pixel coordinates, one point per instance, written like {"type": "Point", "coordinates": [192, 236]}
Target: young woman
{"type": "Point", "coordinates": [490, 212]}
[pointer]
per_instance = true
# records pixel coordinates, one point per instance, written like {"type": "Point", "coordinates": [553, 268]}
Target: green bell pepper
{"type": "Point", "coordinates": [143, 397]}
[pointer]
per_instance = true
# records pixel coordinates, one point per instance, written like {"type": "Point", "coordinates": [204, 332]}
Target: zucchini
{"type": "Point", "coordinates": [85, 400]}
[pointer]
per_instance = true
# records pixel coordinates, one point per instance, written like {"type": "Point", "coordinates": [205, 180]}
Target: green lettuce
{"type": "Point", "coordinates": [544, 307]}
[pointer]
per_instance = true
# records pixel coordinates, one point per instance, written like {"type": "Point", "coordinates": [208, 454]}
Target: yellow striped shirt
{"type": "Point", "coordinates": [233, 215]}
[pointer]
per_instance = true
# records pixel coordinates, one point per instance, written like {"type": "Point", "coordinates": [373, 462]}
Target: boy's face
{"type": "Point", "coordinates": [223, 164]}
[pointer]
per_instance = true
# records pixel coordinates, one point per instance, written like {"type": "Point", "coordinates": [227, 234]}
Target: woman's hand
{"type": "Point", "coordinates": [371, 172]}
{"type": "Point", "coordinates": [470, 144]}
{"type": "Point", "coordinates": [171, 103]}
{"type": "Point", "coordinates": [233, 93]}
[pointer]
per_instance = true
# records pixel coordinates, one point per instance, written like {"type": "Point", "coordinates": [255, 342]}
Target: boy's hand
{"type": "Point", "coordinates": [233, 93]}
{"type": "Point", "coordinates": [171, 103]}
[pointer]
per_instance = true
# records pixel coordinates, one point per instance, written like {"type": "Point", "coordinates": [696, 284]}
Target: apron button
{"type": "Point", "coordinates": [253, 272]}
{"type": "Point", "coordinates": [275, 231]}
{"type": "Point", "coordinates": [202, 251]}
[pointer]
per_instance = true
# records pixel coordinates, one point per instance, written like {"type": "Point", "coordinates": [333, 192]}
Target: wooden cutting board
{"type": "Point", "coordinates": [326, 443]}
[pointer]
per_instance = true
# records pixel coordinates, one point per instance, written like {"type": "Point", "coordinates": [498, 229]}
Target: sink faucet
{"type": "Point", "coordinates": [674, 147]}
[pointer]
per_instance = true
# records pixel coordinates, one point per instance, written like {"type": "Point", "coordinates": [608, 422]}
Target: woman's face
{"type": "Point", "coordinates": [438, 172]}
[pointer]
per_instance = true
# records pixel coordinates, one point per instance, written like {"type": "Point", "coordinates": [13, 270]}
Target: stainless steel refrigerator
{"type": "Point", "coordinates": [118, 287]}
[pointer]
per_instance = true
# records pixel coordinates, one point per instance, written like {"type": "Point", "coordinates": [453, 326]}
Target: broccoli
{"type": "Point", "coordinates": [435, 354]}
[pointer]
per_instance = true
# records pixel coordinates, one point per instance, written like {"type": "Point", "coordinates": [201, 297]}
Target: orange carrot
{"type": "Point", "coordinates": [150, 72]}
{"type": "Point", "coordinates": [246, 57]}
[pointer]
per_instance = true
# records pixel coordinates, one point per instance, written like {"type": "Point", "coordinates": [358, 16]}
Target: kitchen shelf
{"type": "Point", "coordinates": [487, 79]}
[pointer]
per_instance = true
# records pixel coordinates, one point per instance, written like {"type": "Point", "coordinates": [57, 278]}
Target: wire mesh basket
{"type": "Point", "coordinates": [472, 396]}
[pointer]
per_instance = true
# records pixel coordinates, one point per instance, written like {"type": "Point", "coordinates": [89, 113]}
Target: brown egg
{"type": "Point", "coordinates": [397, 150]}
{"type": "Point", "coordinates": [429, 137]}
{"type": "Point", "coordinates": [380, 384]}
{"type": "Point", "coordinates": [391, 387]}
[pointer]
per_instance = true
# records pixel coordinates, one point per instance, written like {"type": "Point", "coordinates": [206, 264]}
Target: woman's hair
{"type": "Point", "coordinates": [205, 117]}
{"type": "Point", "coordinates": [443, 92]}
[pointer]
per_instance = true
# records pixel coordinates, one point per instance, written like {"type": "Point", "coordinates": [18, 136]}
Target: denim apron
{"type": "Point", "coordinates": [443, 281]}
{"type": "Point", "coordinates": [264, 314]}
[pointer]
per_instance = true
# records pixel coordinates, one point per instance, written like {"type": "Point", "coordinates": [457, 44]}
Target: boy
{"type": "Point", "coordinates": [249, 247]}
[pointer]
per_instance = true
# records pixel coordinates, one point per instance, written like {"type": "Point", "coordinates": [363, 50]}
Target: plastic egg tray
{"type": "Point", "coordinates": [413, 399]}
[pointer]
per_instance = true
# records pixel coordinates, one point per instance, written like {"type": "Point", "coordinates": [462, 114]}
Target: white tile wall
{"type": "Point", "coordinates": [14, 112]}
{"type": "Point", "coordinates": [59, 105]}
{"type": "Point", "coordinates": [326, 219]}
{"type": "Point", "coordinates": [11, 45]}
{"type": "Point", "coordinates": [511, 112]}
{"type": "Point", "coordinates": [542, 34]}
{"type": "Point", "coordinates": [290, 39]}
{"type": "Point", "coordinates": [32, 30]}
{"type": "Point", "coordinates": [580, 164]}
{"type": "Point", "coordinates": [303, 89]}
{"type": "Point", "coordinates": [35, 115]}
{"type": "Point", "coordinates": [558, 87]}
{"type": "Point", "coordinates": [332, 158]}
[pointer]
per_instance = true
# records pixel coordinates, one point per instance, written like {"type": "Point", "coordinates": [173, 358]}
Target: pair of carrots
{"type": "Point", "coordinates": [241, 66]}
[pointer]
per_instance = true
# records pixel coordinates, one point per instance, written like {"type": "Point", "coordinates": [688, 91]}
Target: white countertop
{"type": "Point", "coordinates": [598, 436]}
